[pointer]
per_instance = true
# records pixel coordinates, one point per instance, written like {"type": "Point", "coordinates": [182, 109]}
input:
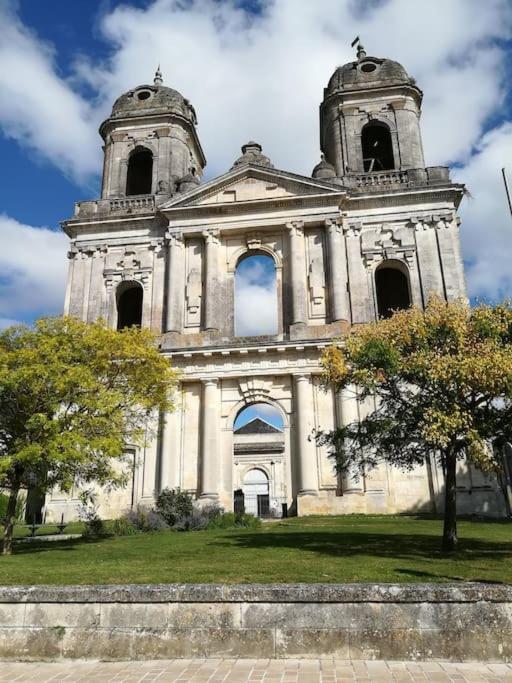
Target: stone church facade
{"type": "Point", "coordinates": [372, 229]}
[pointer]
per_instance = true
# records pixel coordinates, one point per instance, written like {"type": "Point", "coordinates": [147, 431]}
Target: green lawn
{"type": "Point", "coordinates": [314, 549]}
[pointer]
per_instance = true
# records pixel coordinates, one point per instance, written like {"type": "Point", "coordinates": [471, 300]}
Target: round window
{"type": "Point", "coordinates": [144, 95]}
{"type": "Point", "coordinates": [368, 67]}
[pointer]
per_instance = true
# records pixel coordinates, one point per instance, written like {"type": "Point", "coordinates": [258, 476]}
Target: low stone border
{"type": "Point", "coordinates": [458, 622]}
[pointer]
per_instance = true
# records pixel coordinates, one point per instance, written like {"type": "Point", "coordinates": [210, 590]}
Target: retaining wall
{"type": "Point", "coordinates": [353, 621]}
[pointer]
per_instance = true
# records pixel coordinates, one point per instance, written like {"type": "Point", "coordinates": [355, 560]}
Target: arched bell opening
{"type": "Point", "coordinates": [129, 297]}
{"type": "Point", "coordinates": [377, 147]}
{"type": "Point", "coordinates": [139, 179]}
{"type": "Point", "coordinates": [392, 288]}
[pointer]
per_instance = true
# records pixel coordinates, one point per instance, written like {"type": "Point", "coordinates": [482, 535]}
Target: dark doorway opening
{"type": "Point", "coordinates": [377, 147]}
{"type": "Point", "coordinates": [263, 505]}
{"type": "Point", "coordinates": [140, 172]}
{"type": "Point", "coordinates": [129, 306]}
{"type": "Point", "coordinates": [238, 502]}
{"type": "Point", "coordinates": [392, 287]}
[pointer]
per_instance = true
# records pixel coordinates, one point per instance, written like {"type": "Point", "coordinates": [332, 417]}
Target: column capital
{"type": "Point", "coordinates": [334, 225]}
{"type": "Point", "coordinates": [210, 381]}
{"type": "Point", "coordinates": [174, 237]}
{"type": "Point", "coordinates": [295, 228]}
{"type": "Point", "coordinates": [302, 376]}
{"type": "Point", "coordinates": [211, 236]}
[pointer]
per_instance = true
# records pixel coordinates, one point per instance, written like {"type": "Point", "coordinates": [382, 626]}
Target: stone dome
{"type": "Point", "coordinates": [324, 170]}
{"type": "Point", "coordinates": [367, 72]}
{"type": "Point", "coordinates": [147, 100]}
{"type": "Point", "coordinates": [252, 154]}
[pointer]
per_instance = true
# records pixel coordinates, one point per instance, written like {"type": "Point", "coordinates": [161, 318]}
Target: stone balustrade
{"type": "Point", "coordinates": [138, 204]}
{"type": "Point", "coordinates": [415, 176]}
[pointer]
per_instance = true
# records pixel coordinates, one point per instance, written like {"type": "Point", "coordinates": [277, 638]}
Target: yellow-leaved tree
{"type": "Point", "coordinates": [71, 395]}
{"type": "Point", "coordinates": [442, 379]}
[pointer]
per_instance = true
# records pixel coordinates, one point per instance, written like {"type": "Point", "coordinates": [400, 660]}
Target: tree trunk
{"type": "Point", "coordinates": [10, 518]}
{"type": "Point", "coordinates": [450, 504]}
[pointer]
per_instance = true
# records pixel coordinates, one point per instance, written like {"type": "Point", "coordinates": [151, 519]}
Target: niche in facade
{"type": "Point", "coordinates": [139, 179]}
{"type": "Point", "coordinates": [377, 147]}
{"type": "Point", "coordinates": [255, 296]}
{"type": "Point", "coordinates": [129, 305]}
{"type": "Point", "coordinates": [392, 287]}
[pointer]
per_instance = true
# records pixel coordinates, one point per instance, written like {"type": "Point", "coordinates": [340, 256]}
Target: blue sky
{"type": "Point", "coordinates": [253, 70]}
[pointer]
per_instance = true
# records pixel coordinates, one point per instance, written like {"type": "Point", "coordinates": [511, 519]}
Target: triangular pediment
{"type": "Point", "coordinates": [251, 184]}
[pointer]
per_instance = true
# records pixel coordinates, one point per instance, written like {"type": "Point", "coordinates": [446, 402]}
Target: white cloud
{"type": "Point", "coordinates": [262, 77]}
{"type": "Point", "coordinates": [33, 269]}
{"type": "Point", "coordinates": [486, 228]}
{"type": "Point", "coordinates": [38, 108]}
{"type": "Point", "coordinates": [255, 298]}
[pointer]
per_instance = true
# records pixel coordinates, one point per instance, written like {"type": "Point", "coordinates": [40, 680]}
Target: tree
{"type": "Point", "coordinates": [442, 382]}
{"type": "Point", "coordinates": [71, 395]}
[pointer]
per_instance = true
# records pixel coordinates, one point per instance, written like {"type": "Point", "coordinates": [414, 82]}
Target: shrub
{"type": "Point", "coordinates": [122, 527]}
{"type": "Point", "coordinates": [174, 505]}
{"type": "Point", "coordinates": [143, 519]}
{"type": "Point", "coordinates": [231, 520]}
{"type": "Point", "coordinates": [199, 518]}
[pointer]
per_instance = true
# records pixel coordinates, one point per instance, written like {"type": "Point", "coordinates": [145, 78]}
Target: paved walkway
{"type": "Point", "coordinates": [255, 671]}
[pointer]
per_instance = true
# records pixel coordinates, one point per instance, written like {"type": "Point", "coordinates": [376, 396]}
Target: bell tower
{"type": "Point", "coordinates": [150, 143]}
{"type": "Point", "coordinates": [369, 118]}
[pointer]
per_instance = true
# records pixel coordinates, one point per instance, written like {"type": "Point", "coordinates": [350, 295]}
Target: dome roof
{"type": "Point", "coordinates": [252, 154]}
{"type": "Point", "coordinates": [147, 100]}
{"type": "Point", "coordinates": [367, 72]}
{"type": "Point", "coordinates": [324, 170]}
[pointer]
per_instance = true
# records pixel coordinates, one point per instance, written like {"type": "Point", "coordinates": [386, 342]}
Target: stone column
{"type": "Point", "coordinates": [175, 281]}
{"type": "Point", "coordinates": [304, 421]}
{"type": "Point", "coordinates": [210, 430]}
{"type": "Point", "coordinates": [447, 230]}
{"type": "Point", "coordinates": [169, 473]}
{"type": "Point", "coordinates": [361, 306]}
{"type": "Point", "coordinates": [340, 309]}
{"type": "Point", "coordinates": [347, 413]}
{"type": "Point", "coordinates": [211, 289]}
{"type": "Point", "coordinates": [297, 272]}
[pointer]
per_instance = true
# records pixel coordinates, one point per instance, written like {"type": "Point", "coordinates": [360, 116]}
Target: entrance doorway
{"type": "Point", "coordinates": [256, 493]}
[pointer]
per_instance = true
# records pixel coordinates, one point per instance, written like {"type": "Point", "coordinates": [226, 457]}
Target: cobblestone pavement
{"type": "Point", "coordinates": [254, 670]}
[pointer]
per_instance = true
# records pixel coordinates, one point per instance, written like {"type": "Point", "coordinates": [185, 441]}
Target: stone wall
{"type": "Point", "coordinates": [357, 621]}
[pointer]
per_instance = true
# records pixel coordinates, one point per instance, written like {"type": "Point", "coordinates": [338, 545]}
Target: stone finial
{"type": "Point", "coordinates": [252, 154]}
{"type": "Point", "coordinates": [361, 52]}
{"type": "Point", "coordinates": [158, 80]}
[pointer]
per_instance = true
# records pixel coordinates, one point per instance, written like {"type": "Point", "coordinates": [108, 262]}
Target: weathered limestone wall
{"type": "Point", "coordinates": [452, 621]}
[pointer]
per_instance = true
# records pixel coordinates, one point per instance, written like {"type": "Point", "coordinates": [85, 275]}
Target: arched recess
{"type": "Point", "coordinates": [377, 147]}
{"type": "Point", "coordinates": [255, 400]}
{"type": "Point", "coordinates": [129, 296]}
{"type": "Point", "coordinates": [262, 410]}
{"type": "Point", "coordinates": [392, 288]}
{"type": "Point", "coordinates": [139, 178]}
{"type": "Point", "coordinates": [256, 300]}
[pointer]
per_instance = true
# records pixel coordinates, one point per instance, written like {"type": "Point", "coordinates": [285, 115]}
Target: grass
{"type": "Point", "coordinates": [353, 548]}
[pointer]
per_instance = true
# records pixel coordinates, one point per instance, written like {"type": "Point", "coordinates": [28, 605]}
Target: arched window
{"type": "Point", "coordinates": [256, 493]}
{"type": "Point", "coordinates": [129, 305]}
{"type": "Point", "coordinates": [140, 172]}
{"type": "Point", "coordinates": [377, 147]}
{"type": "Point", "coordinates": [255, 296]}
{"type": "Point", "coordinates": [392, 288]}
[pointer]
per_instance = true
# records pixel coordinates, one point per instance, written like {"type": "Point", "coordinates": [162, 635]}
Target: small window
{"type": "Point", "coordinates": [144, 95]}
{"type": "Point", "coordinates": [368, 67]}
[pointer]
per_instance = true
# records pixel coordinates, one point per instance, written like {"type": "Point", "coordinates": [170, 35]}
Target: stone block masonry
{"type": "Point", "coordinates": [457, 622]}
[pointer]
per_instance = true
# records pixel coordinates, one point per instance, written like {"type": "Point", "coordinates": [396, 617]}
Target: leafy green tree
{"type": "Point", "coordinates": [71, 395]}
{"type": "Point", "coordinates": [442, 380]}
